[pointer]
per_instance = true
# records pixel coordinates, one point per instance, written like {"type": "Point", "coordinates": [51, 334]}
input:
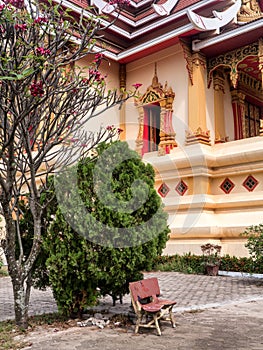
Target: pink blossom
{"type": "Point", "coordinates": [36, 89]}
{"type": "Point", "coordinates": [137, 85]}
{"type": "Point", "coordinates": [98, 57]}
{"type": "Point", "coordinates": [21, 27]}
{"type": "Point", "coordinates": [40, 20]}
{"type": "Point", "coordinates": [110, 127]}
{"type": "Point", "coordinates": [119, 130]}
{"type": "Point", "coordinates": [40, 51]}
{"type": "Point", "coordinates": [2, 7]}
{"type": "Point", "coordinates": [96, 75]}
{"type": "Point", "coordinates": [16, 3]}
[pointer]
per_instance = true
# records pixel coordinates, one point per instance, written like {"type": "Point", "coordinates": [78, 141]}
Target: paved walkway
{"type": "Point", "coordinates": [192, 292]}
{"type": "Point", "coordinates": [225, 313]}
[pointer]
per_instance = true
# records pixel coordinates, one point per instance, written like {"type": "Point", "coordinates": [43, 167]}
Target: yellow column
{"type": "Point", "coordinates": [220, 132]}
{"type": "Point", "coordinates": [197, 102]}
{"type": "Point", "coordinates": [122, 78]}
{"type": "Point", "coordinates": [238, 105]}
{"type": "Point", "coordinates": [139, 140]}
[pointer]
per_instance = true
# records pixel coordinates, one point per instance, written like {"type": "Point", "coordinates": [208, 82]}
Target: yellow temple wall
{"type": "Point", "coordinates": [205, 213]}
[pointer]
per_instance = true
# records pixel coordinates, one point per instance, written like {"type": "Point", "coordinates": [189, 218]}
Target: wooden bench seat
{"type": "Point", "coordinates": [147, 304]}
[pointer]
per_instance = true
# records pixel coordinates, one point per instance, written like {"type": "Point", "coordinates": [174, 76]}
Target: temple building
{"type": "Point", "coordinates": [198, 115]}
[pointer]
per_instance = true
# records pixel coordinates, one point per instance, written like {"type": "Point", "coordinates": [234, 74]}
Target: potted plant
{"type": "Point", "coordinates": [212, 258]}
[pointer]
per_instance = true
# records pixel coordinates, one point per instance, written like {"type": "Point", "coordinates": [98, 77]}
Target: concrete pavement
{"type": "Point", "coordinates": [192, 292]}
{"type": "Point", "coordinates": [213, 313]}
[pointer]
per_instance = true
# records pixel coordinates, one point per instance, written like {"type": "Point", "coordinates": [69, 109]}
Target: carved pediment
{"type": "Point", "coordinates": [249, 11]}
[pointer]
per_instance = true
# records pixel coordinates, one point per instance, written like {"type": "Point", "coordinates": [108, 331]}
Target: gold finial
{"type": "Point", "coordinates": [155, 82]}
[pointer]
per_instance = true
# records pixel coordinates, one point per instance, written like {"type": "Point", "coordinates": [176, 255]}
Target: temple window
{"type": "Point", "coordinates": [252, 119]}
{"type": "Point", "coordinates": [151, 128]}
{"type": "Point", "coordinates": [155, 119]}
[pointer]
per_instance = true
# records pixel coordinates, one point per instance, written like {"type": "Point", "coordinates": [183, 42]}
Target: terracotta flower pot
{"type": "Point", "coordinates": [212, 270]}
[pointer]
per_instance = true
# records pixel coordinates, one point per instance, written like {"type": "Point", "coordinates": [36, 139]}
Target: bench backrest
{"type": "Point", "coordinates": [144, 288]}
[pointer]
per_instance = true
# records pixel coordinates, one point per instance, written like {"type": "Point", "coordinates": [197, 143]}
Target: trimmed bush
{"type": "Point", "coordinates": [189, 263]}
{"type": "Point", "coordinates": [80, 269]}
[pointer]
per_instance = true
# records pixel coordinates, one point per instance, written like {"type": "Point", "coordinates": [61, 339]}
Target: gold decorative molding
{"type": "Point", "coordinates": [261, 128]}
{"type": "Point", "coordinates": [219, 81]}
{"type": "Point", "coordinates": [219, 115]}
{"type": "Point", "coordinates": [122, 76]}
{"type": "Point", "coordinates": [199, 136]}
{"type": "Point", "coordinates": [249, 11]}
{"type": "Point", "coordinates": [260, 59]}
{"type": "Point", "coordinates": [192, 59]}
{"type": "Point", "coordinates": [250, 85]}
{"type": "Point", "coordinates": [188, 57]}
{"type": "Point", "coordinates": [164, 97]}
{"type": "Point", "coordinates": [231, 60]}
{"type": "Point", "coordinates": [122, 83]}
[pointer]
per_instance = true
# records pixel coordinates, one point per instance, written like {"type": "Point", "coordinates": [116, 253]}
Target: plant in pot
{"type": "Point", "coordinates": [212, 258]}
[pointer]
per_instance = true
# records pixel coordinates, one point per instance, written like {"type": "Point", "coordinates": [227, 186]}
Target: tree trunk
{"type": "Point", "coordinates": [21, 301]}
{"type": "Point", "coordinates": [19, 273]}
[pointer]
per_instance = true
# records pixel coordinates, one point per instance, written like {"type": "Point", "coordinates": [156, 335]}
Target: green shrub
{"type": "Point", "coordinates": [189, 263]}
{"type": "Point", "coordinates": [77, 266]}
{"type": "Point", "coordinates": [255, 241]}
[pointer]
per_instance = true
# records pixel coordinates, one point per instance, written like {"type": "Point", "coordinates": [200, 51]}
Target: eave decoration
{"type": "Point", "coordinates": [220, 19]}
{"type": "Point", "coordinates": [165, 8]}
{"type": "Point", "coordinates": [103, 6]}
{"type": "Point", "coordinates": [164, 97]}
{"type": "Point", "coordinates": [249, 11]}
{"type": "Point", "coordinates": [233, 61]}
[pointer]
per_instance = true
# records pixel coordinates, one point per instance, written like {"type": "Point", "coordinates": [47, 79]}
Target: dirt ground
{"type": "Point", "coordinates": [235, 327]}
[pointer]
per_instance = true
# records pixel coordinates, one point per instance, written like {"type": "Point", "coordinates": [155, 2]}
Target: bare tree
{"type": "Point", "coordinates": [45, 100]}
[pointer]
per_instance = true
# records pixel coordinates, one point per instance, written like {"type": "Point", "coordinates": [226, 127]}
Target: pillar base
{"type": "Point", "coordinates": [199, 136]}
{"type": "Point", "coordinates": [166, 146]}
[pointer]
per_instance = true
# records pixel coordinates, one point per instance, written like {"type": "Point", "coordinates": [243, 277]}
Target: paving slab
{"type": "Point", "coordinates": [212, 313]}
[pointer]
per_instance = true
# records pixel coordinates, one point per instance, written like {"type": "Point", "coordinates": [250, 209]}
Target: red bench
{"type": "Point", "coordinates": [145, 301]}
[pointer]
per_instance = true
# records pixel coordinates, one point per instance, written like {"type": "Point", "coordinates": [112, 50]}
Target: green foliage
{"type": "Point", "coordinates": [73, 268]}
{"type": "Point", "coordinates": [77, 264]}
{"type": "Point", "coordinates": [189, 263]}
{"type": "Point", "coordinates": [243, 264]}
{"type": "Point", "coordinates": [255, 241]}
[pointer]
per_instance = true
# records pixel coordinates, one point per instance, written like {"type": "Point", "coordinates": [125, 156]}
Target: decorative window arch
{"type": "Point", "coordinates": [155, 119]}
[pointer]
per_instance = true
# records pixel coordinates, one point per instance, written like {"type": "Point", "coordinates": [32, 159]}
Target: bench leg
{"type": "Point", "coordinates": [139, 319]}
{"type": "Point", "coordinates": [155, 317]}
{"type": "Point", "coordinates": [172, 317]}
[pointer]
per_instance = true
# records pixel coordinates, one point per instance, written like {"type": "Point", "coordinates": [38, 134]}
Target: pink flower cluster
{"type": "Point", "coordinates": [2, 7]}
{"type": "Point", "coordinates": [98, 57]}
{"type": "Point", "coordinates": [112, 128]}
{"type": "Point", "coordinates": [40, 20]}
{"type": "Point", "coordinates": [40, 51]}
{"type": "Point", "coordinates": [21, 27]}
{"type": "Point", "coordinates": [36, 89]}
{"type": "Point", "coordinates": [96, 75]}
{"type": "Point", "coordinates": [137, 85]}
{"type": "Point", "coordinates": [16, 3]}
{"type": "Point", "coordinates": [119, 2]}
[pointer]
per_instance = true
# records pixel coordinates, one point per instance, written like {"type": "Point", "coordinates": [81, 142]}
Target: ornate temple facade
{"type": "Point", "coordinates": [198, 115]}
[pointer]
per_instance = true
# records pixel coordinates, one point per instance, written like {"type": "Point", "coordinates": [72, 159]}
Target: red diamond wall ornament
{"type": "Point", "coordinates": [181, 188]}
{"type": "Point", "coordinates": [227, 185]}
{"type": "Point", "coordinates": [163, 190]}
{"type": "Point", "coordinates": [250, 183]}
